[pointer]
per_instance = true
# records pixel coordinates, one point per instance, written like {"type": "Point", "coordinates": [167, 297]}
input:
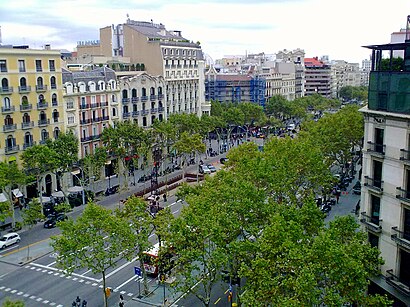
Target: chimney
{"type": "Point", "coordinates": [47, 47]}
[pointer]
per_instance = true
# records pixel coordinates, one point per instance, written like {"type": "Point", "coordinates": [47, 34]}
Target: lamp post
{"type": "Point", "coordinates": [75, 173]}
{"type": "Point", "coordinates": [109, 175]}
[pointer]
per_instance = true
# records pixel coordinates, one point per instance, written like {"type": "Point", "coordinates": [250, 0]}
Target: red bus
{"type": "Point", "coordinates": [151, 260]}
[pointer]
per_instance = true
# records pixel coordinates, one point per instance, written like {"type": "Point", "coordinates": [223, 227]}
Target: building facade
{"type": "Point", "coordinates": [385, 195]}
{"type": "Point", "coordinates": [319, 78]}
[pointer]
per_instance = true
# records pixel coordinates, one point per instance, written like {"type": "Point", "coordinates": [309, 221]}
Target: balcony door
{"type": "Point", "coordinates": [377, 173]}
{"type": "Point", "coordinates": [378, 139]}
{"type": "Point", "coordinates": [406, 224]}
{"type": "Point", "coordinates": [404, 267]}
{"type": "Point", "coordinates": [375, 209]}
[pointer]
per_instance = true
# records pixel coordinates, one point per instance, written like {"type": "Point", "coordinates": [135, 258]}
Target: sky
{"type": "Point", "coordinates": [336, 28]}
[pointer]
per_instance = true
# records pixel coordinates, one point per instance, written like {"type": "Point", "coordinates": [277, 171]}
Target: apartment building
{"type": "Point", "coordinates": [91, 103]}
{"type": "Point", "coordinates": [162, 53]}
{"type": "Point", "coordinates": [385, 195]}
{"type": "Point", "coordinates": [345, 74]}
{"type": "Point", "coordinates": [297, 57]}
{"type": "Point", "coordinates": [319, 78]}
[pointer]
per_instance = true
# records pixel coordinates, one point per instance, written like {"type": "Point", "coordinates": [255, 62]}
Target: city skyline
{"type": "Point", "coordinates": [228, 28]}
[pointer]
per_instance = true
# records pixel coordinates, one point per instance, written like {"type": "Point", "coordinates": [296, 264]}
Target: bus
{"type": "Point", "coordinates": [152, 258]}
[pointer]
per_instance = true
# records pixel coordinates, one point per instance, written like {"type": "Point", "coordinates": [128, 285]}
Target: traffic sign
{"type": "Point", "coordinates": [137, 271]}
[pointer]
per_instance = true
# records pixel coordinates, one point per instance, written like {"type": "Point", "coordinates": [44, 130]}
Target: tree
{"type": "Point", "coordinates": [38, 160]}
{"type": "Point", "coordinates": [10, 177]}
{"type": "Point", "coordinates": [233, 117]}
{"type": "Point", "coordinates": [136, 214]}
{"type": "Point", "coordinates": [253, 114]}
{"type": "Point", "coordinates": [277, 106]}
{"type": "Point", "coordinates": [304, 263]}
{"type": "Point", "coordinates": [92, 163]}
{"type": "Point", "coordinates": [94, 241]}
{"type": "Point", "coordinates": [10, 303]}
{"type": "Point", "coordinates": [31, 215]}
{"type": "Point", "coordinates": [188, 144]}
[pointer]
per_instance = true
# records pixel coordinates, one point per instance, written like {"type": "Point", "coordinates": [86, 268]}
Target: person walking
{"type": "Point", "coordinates": [122, 302]}
{"type": "Point", "coordinates": [164, 197]}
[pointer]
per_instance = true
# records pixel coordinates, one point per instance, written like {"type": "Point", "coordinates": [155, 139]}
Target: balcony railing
{"type": "Point", "coordinates": [27, 145]}
{"type": "Point", "coordinates": [400, 237]}
{"type": "Point", "coordinates": [153, 97]}
{"type": "Point", "coordinates": [144, 98]}
{"type": "Point", "coordinates": [96, 119]}
{"type": "Point", "coordinates": [160, 96]}
{"type": "Point", "coordinates": [54, 103]}
{"type": "Point", "coordinates": [125, 100]}
{"type": "Point", "coordinates": [154, 110]}
{"type": "Point", "coordinates": [405, 155]}
{"type": "Point", "coordinates": [403, 194]}
{"type": "Point", "coordinates": [371, 223]}
{"type": "Point", "coordinates": [84, 106]}
{"type": "Point", "coordinates": [53, 86]}
{"type": "Point", "coordinates": [6, 90]}
{"type": "Point", "coordinates": [42, 105]}
{"type": "Point", "coordinates": [126, 115]}
{"type": "Point", "coordinates": [11, 127]}
{"type": "Point", "coordinates": [161, 109]}
{"type": "Point", "coordinates": [374, 184]}
{"type": "Point", "coordinates": [43, 122]}
{"type": "Point", "coordinates": [376, 148]}
{"type": "Point", "coordinates": [27, 125]}
{"type": "Point", "coordinates": [135, 113]}
{"type": "Point", "coordinates": [134, 99]}
{"type": "Point", "coordinates": [95, 105]}
{"type": "Point", "coordinates": [397, 283]}
{"type": "Point", "coordinates": [144, 112]}
{"type": "Point", "coordinates": [106, 117]}
{"type": "Point", "coordinates": [104, 104]}
{"type": "Point", "coordinates": [26, 107]}
{"type": "Point", "coordinates": [8, 109]}
{"type": "Point", "coordinates": [41, 88]}
{"type": "Point", "coordinates": [85, 121]}
{"type": "Point", "coordinates": [24, 89]}
{"type": "Point", "coordinates": [86, 139]}
{"type": "Point", "coordinates": [11, 149]}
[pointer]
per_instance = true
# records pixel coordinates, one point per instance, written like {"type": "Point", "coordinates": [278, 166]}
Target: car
{"type": "Point", "coordinates": [211, 167]}
{"type": "Point", "coordinates": [357, 188]}
{"type": "Point", "coordinates": [203, 169]}
{"type": "Point", "coordinates": [223, 160]}
{"type": "Point", "coordinates": [53, 219]}
{"type": "Point", "coordinates": [9, 239]}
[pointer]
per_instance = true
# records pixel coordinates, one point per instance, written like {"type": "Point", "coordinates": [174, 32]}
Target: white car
{"type": "Point", "coordinates": [9, 239]}
{"type": "Point", "coordinates": [203, 169]}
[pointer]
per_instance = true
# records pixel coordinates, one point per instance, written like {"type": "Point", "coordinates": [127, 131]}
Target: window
{"type": "Point", "coordinates": [23, 83]}
{"type": "Point", "coordinates": [5, 84]}
{"type": "Point", "coordinates": [22, 66]}
{"type": "Point", "coordinates": [124, 94]}
{"type": "Point", "coordinates": [28, 138]}
{"type": "Point", "coordinates": [144, 121]}
{"type": "Point", "coordinates": [373, 240]}
{"type": "Point", "coordinates": [113, 98]}
{"type": "Point", "coordinates": [377, 173]}
{"type": "Point", "coordinates": [38, 66]}
{"type": "Point", "coordinates": [40, 82]}
{"type": "Point", "coordinates": [378, 139]}
{"type": "Point", "coordinates": [3, 66]}
{"type": "Point", "coordinates": [375, 209]}
{"type": "Point", "coordinates": [44, 135]}
{"type": "Point", "coordinates": [133, 93]}
{"type": "Point", "coordinates": [55, 116]}
{"type": "Point", "coordinates": [43, 116]}
{"type": "Point", "coordinates": [51, 65]}
{"type": "Point", "coordinates": [56, 132]}
{"type": "Point", "coordinates": [93, 99]}
{"type": "Point", "coordinates": [54, 101]}
{"type": "Point", "coordinates": [114, 112]}
{"type": "Point", "coordinates": [144, 91]}
{"type": "Point", "coordinates": [6, 103]}
{"type": "Point", "coordinates": [83, 104]}
{"type": "Point", "coordinates": [152, 90]}
{"type": "Point", "coordinates": [71, 119]}
{"type": "Point", "coordinates": [53, 82]}
{"type": "Point", "coordinates": [26, 118]}
{"type": "Point", "coordinates": [8, 121]}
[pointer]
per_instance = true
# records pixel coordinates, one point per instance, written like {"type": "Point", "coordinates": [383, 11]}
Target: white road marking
{"type": "Point", "coordinates": [50, 264]}
{"type": "Point", "coordinates": [120, 268]}
{"type": "Point", "coordinates": [58, 271]}
{"type": "Point", "coordinates": [13, 291]}
{"type": "Point", "coordinates": [173, 212]}
{"type": "Point", "coordinates": [124, 283]}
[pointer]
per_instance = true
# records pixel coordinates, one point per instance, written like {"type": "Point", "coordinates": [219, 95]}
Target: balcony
{"type": "Point", "coordinates": [27, 145]}
{"type": "Point", "coordinates": [26, 107]}
{"type": "Point", "coordinates": [11, 149]}
{"type": "Point", "coordinates": [161, 109]}
{"type": "Point", "coordinates": [96, 119]}
{"type": "Point", "coordinates": [86, 139]}
{"type": "Point", "coordinates": [134, 99]}
{"type": "Point", "coordinates": [24, 89]}
{"type": "Point", "coordinates": [403, 194]}
{"type": "Point", "coordinates": [8, 128]}
{"type": "Point", "coordinates": [42, 105]}
{"type": "Point", "coordinates": [153, 97]}
{"type": "Point", "coordinates": [374, 184]}
{"type": "Point", "coordinates": [85, 121]}
{"type": "Point", "coordinates": [144, 112]}
{"type": "Point", "coordinates": [125, 100]}
{"type": "Point", "coordinates": [84, 106]}
{"type": "Point", "coordinates": [9, 109]}
{"type": "Point", "coordinates": [135, 113]}
{"type": "Point", "coordinates": [371, 223]}
{"type": "Point", "coordinates": [44, 141]}
{"type": "Point", "coordinates": [405, 155]}
{"type": "Point", "coordinates": [144, 98]}
{"type": "Point", "coordinates": [154, 110]}
{"type": "Point", "coordinates": [27, 125]}
{"type": "Point", "coordinates": [41, 88]}
{"type": "Point", "coordinates": [43, 122]}
{"type": "Point", "coordinates": [401, 238]}
{"type": "Point", "coordinates": [160, 96]}
{"type": "Point", "coordinates": [378, 149]}
{"type": "Point", "coordinates": [53, 86]}
{"type": "Point", "coordinates": [106, 117]}
{"type": "Point", "coordinates": [95, 105]}
{"type": "Point", "coordinates": [54, 103]}
{"type": "Point", "coordinates": [6, 90]}
{"type": "Point", "coordinates": [126, 115]}
{"type": "Point", "coordinates": [104, 104]}
{"type": "Point", "coordinates": [396, 283]}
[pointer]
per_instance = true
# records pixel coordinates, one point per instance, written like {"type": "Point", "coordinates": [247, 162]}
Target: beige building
{"type": "Point", "coordinates": [162, 53]}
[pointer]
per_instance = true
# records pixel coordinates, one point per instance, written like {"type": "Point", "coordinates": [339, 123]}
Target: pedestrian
{"type": "Point", "coordinates": [164, 197]}
{"type": "Point", "coordinates": [337, 197]}
{"type": "Point", "coordinates": [84, 304]}
{"type": "Point", "coordinates": [73, 304]}
{"type": "Point", "coordinates": [121, 303]}
{"type": "Point", "coordinates": [78, 301]}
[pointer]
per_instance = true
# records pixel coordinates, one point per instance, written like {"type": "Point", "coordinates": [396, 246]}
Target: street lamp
{"type": "Point", "coordinates": [109, 175]}
{"type": "Point", "coordinates": [75, 173]}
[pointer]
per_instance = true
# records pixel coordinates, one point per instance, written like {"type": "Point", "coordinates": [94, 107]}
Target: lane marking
{"type": "Point", "coordinates": [125, 282]}
{"type": "Point", "coordinates": [58, 272]}
{"type": "Point", "coordinates": [217, 301]}
{"type": "Point", "coordinates": [25, 247]}
{"type": "Point", "coordinates": [120, 268]}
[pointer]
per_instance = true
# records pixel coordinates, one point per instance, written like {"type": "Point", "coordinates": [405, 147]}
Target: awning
{"type": "Point", "coordinates": [2, 198]}
{"type": "Point", "coordinates": [17, 193]}
{"type": "Point", "coordinates": [75, 189]}
{"type": "Point", "coordinates": [57, 194]}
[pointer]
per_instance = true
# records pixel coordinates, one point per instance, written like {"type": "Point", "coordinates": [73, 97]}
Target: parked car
{"type": "Point", "coordinates": [357, 188]}
{"type": "Point", "coordinates": [9, 239]}
{"type": "Point", "coordinates": [53, 219]}
{"type": "Point", "coordinates": [223, 160]}
{"type": "Point", "coordinates": [203, 169]}
{"type": "Point", "coordinates": [211, 167]}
